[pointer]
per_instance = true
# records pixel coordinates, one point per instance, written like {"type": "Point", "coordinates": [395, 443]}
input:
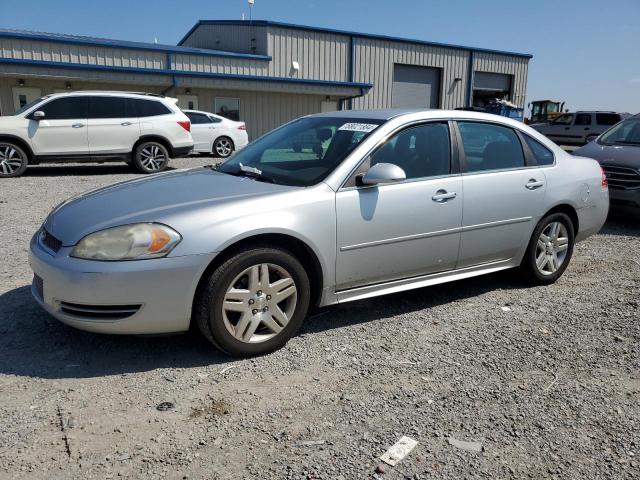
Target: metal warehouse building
{"type": "Point", "coordinates": [263, 72]}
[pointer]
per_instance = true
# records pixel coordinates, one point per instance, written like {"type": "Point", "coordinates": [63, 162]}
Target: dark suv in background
{"type": "Point", "coordinates": [578, 128]}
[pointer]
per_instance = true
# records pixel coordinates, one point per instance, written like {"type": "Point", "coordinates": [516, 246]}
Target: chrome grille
{"type": "Point", "coordinates": [623, 178]}
{"type": "Point", "coordinates": [99, 312]}
{"type": "Point", "coordinates": [49, 241]}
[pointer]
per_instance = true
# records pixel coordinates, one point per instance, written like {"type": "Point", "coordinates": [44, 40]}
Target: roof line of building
{"type": "Point", "coordinates": [374, 36]}
{"type": "Point", "coordinates": [105, 42]}
{"type": "Point", "coordinates": [183, 73]}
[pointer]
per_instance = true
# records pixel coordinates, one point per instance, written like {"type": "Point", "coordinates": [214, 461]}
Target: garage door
{"type": "Point", "coordinates": [492, 81]}
{"type": "Point", "coordinates": [415, 87]}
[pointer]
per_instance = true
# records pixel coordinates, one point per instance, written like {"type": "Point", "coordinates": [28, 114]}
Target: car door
{"type": "Point", "coordinates": [405, 229]}
{"type": "Point", "coordinates": [203, 130]}
{"type": "Point", "coordinates": [558, 129]}
{"type": "Point", "coordinates": [580, 129]}
{"type": "Point", "coordinates": [503, 193]}
{"type": "Point", "coordinates": [63, 130]}
{"type": "Point", "coordinates": [114, 126]}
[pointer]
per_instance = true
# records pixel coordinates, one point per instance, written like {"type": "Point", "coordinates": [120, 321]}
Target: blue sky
{"type": "Point", "coordinates": [585, 51]}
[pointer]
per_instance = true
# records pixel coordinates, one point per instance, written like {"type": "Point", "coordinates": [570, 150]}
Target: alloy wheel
{"type": "Point", "coordinates": [10, 159]}
{"type": "Point", "coordinates": [152, 157]}
{"type": "Point", "coordinates": [552, 247]}
{"type": "Point", "coordinates": [259, 303]}
{"type": "Point", "coordinates": [223, 147]}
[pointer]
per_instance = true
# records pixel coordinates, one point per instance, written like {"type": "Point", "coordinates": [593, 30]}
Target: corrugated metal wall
{"type": "Point", "coordinates": [229, 38]}
{"type": "Point", "coordinates": [518, 67]}
{"type": "Point", "coordinates": [374, 60]}
{"type": "Point", "coordinates": [322, 56]}
{"type": "Point", "coordinates": [85, 54]}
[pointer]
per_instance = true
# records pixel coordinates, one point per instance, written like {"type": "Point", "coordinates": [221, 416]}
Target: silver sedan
{"type": "Point", "coordinates": [326, 209]}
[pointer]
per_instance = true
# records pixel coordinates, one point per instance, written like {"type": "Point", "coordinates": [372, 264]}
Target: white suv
{"type": "Point", "coordinates": [144, 130]}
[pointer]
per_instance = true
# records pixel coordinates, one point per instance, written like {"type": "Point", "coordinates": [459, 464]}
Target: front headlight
{"type": "Point", "coordinates": [129, 242]}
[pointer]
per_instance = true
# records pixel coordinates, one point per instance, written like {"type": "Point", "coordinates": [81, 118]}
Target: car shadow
{"type": "Point", "coordinates": [63, 170]}
{"type": "Point", "coordinates": [622, 223]}
{"type": "Point", "coordinates": [34, 344]}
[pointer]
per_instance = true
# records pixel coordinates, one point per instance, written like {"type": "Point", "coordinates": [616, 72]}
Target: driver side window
{"type": "Point", "coordinates": [421, 151]}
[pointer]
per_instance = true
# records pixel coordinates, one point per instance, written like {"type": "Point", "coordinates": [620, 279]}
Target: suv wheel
{"type": "Point", "coordinates": [549, 250]}
{"type": "Point", "coordinates": [223, 147]}
{"type": "Point", "coordinates": [254, 302]}
{"type": "Point", "coordinates": [13, 160]}
{"type": "Point", "coordinates": [150, 157]}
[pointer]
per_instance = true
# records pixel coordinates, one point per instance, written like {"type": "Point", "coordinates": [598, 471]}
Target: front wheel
{"type": "Point", "coordinates": [13, 160]}
{"type": "Point", "coordinates": [150, 157]}
{"type": "Point", "coordinates": [254, 302]}
{"type": "Point", "coordinates": [223, 147]}
{"type": "Point", "coordinates": [550, 249]}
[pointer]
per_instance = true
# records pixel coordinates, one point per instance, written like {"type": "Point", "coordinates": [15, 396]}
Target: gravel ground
{"type": "Point", "coordinates": [546, 379]}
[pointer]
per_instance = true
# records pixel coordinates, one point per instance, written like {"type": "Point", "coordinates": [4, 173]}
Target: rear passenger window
{"type": "Point", "coordinates": [490, 147]}
{"type": "Point", "coordinates": [422, 151]}
{"type": "Point", "coordinates": [607, 118]}
{"type": "Point", "coordinates": [109, 107]}
{"type": "Point", "coordinates": [583, 119]}
{"type": "Point", "coordinates": [541, 154]}
{"type": "Point", "coordinates": [198, 118]}
{"type": "Point", "coordinates": [150, 108]}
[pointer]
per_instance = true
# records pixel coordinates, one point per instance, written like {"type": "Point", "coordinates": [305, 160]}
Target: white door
{"type": "Point", "coordinates": [24, 95]}
{"type": "Point", "coordinates": [188, 102]}
{"type": "Point", "coordinates": [113, 126]}
{"type": "Point", "coordinates": [63, 131]}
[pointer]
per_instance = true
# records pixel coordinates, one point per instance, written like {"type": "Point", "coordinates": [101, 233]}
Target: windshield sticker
{"type": "Point", "coordinates": [358, 127]}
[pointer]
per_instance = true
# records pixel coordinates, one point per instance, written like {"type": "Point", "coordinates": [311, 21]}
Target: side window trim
{"type": "Point", "coordinates": [529, 161]}
{"type": "Point", "coordinates": [454, 164]}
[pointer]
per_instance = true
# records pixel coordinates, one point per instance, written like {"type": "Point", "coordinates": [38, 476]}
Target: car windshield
{"type": "Point", "coordinates": [626, 132]}
{"type": "Point", "coordinates": [28, 106]}
{"type": "Point", "coordinates": [301, 153]}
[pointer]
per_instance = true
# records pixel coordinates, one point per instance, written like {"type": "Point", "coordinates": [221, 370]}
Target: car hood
{"type": "Point", "coordinates": [621, 155]}
{"type": "Point", "coordinates": [150, 199]}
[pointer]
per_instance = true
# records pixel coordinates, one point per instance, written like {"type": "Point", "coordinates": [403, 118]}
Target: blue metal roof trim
{"type": "Point", "coordinates": [184, 73]}
{"type": "Point", "coordinates": [374, 36]}
{"type": "Point", "coordinates": [105, 42]}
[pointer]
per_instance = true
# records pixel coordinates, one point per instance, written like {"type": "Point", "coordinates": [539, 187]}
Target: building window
{"type": "Point", "coordinates": [228, 107]}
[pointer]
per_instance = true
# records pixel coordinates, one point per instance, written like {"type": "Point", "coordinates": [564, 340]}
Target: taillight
{"type": "Point", "coordinates": [242, 127]}
{"type": "Point", "coordinates": [186, 124]}
{"type": "Point", "coordinates": [604, 182]}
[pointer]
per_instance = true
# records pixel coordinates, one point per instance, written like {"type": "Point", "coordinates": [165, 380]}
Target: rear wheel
{"type": "Point", "coordinates": [254, 302]}
{"type": "Point", "coordinates": [223, 147]}
{"type": "Point", "coordinates": [549, 250]}
{"type": "Point", "coordinates": [150, 157]}
{"type": "Point", "coordinates": [13, 160]}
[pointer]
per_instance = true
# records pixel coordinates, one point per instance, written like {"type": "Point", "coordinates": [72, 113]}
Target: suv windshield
{"type": "Point", "coordinates": [303, 152]}
{"type": "Point", "coordinates": [28, 106]}
{"type": "Point", "coordinates": [626, 132]}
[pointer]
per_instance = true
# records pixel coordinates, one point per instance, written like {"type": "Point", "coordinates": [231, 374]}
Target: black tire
{"type": "Point", "coordinates": [529, 268]}
{"type": "Point", "coordinates": [13, 160]}
{"type": "Point", "coordinates": [150, 157]}
{"type": "Point", "coordinates": [208, 311]}
{"type": "Point", "coordinates": [223, 147]}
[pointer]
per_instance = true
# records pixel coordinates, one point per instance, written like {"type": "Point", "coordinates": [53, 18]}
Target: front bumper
{"type": "Point", "coordinates": [79, 292]}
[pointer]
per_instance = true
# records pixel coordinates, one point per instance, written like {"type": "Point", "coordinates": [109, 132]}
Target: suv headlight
{"type": "Point", "coordinates": [129, 242]}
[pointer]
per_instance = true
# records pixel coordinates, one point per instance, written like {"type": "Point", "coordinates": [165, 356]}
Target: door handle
{"type": "Point", "coordinates": [586, 128]}
{"type": "Point", "coordinates": [77, 125]}
{"type": "Point", "coordinates": [532, 184]}
{"type": "Point", "coordinates": [442, 196]}
{"type": "Point", "coordinates": [126, 124]}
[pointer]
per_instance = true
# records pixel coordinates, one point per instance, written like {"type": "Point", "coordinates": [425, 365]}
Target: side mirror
{"type": "Point", "coordinates": [38, 115]}
{"type": "Point", "coordinates": [383, 173]}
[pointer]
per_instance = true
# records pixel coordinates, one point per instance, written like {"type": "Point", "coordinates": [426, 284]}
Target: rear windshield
{"type": "Point", "coordinates": [624, 133]}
